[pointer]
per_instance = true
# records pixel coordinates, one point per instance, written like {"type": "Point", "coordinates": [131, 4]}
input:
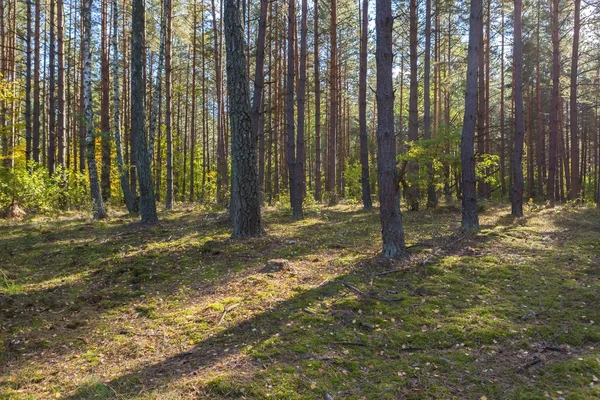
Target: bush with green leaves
{"type": "Point", "coordinates": [34, 189]}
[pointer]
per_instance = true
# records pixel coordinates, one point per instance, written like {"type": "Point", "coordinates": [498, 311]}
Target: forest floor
{"type": "Point", "coordinates": [102, 310]}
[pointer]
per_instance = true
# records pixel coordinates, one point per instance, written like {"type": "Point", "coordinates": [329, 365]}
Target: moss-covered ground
{"type": "Point", "coordinates": [103, 310]}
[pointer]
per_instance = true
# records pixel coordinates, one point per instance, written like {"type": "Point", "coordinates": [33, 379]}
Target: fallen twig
{"type": "Point", "coordinates": [226, 311]}
{"type": "Point", "coordinates": [350, 343]}
{"type": "Point", "coordinates": [360, 292]}
{"type": "Point", "coordinates": [535, 361]}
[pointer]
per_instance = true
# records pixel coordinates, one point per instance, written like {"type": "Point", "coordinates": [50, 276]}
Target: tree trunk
{"type": "Point", "coordinates": [168, 103]}
{"type": "Point", "coordinates": [539, 124]}
{"type": "Point", "coordinates": [245, 197]}
{"type": "Point", "coordinates": [157, 96]}
{"type": "Point", "coordinates": [574, 194]}
{"type": "Point", "coordinates": [127, 194]}
{"type": "Point", "coordinates": [502, 126]}
{"type": "Point", "coordinates": [52, 92]}
{"type": "Point", "coordinates": [317, 66]}
{"type": "Point", "coordinates": [300, 139]}
{"type": "Point", "coordinates": [258, 101]}
{"type": "Point", "coordinates": [470, 219]}
{"type": "Point", "coordinates": [294, 176]}
{"type": "Point", "coordinates": [412, 191]}
{"type": "Point", "coordinates": [554, 108]}
{"type": "Point", "coordinates": [99, 208]}
{"type": "Point", "coordinates": [362, 104]}
{"type": "Point", "coordinates": [105, 104]}
{"type": "Point", "coordinates": [517, 189]}
{"type": "Point", "coordinates": [333, 106]}
{"type": "Point", "coordinates": [221, 145]}
{"type": "Point", "coordinates": [147, 206]}
{"type": "Point", "coordinates": [28, 80]}
{"type": "Point", "coordinates": [391, 218]}
{"type": "Point", "coordinates": [431, 195]}
{"type": "Point", "coordinates": [60, 126]}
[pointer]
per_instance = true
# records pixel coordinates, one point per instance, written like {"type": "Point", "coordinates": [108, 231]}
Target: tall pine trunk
{"type": "Point", "coordinates": [555, 106]}
{"type": "Point", "coordinates": [147, 205]}
{"type": "Point", "coordinates": [105, 104]}
{"type": "Point", "coordinates": [99, 207]}
{"type": "Point", "coordinates": [392, 230]}
{"type": "Point", "coordinates": [317, 66]}
{"type": "Point", "coordinates": [362, 104]}
{"type": "Point", "coordinates": [517, 189]}
{"type": "Point", "coordinates": [574, 194]}
{"type": "Point", "coordinates": [470, 218]}
{"type": "Point", "coordinates": [412, 191]}
{"type": "Point", "coordinates": [127, 194]}
{"type": "Point", "coordinates": [61, 133]}
{"type": "Point", "coordinates": [245, 197]}
{"type": "Point", "coordinates": [168, 103]}
{"type": "Point", "coordinates": [258, 101]}
{"type": "Point", "coordinates": [431, 195]}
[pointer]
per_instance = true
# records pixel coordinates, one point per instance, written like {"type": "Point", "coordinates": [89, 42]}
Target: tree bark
{"type": "Point", "coordinates": [99, 208]}
{"type": "Point", "coordinates": [127, 194]}
{"type": "Point", "coordinates": [147, 205]}
{"type": "Point", "coordinates": [392, 230]}
{"type": "Point", "coordinates": [294, 176]}
{"type": "Point", "coordinates": [470, 218]}
{"type": "Point", "coordinates": [517, 189]}
{"type": "Point", "coordinates": [168, 11]}
{"type": "Point", "coordinates": [574, 193]}
{"type": "Point", "coordinates": [539, 124]}
{"type": "Point", "coordinates": [412, 191]}
{"type": "Point", "coordinates": [245, 197]}
{"type": "Point", "coordinates": [105, 104]}
{"type": "Point", "coordinates": [300, 139]}
{"type": "Point", "coordinates": [51, 160]}
{"type": "Point", "coordinates": [28, 81]}
{"type": "Point", "coordinates": [554, 107]}
{"type": "Point", "coordinates": [258, 101]}
{"type": "Point", "coordinates": [362, 104]}
{"type": "Point", "coordinates": [317, 66]}
{"type": "Point", "coordinates": [333, 106]}
{"type": "Point", "coordinates": [221, 144]}
{"type": "Point", "coordinates": [431, 195]}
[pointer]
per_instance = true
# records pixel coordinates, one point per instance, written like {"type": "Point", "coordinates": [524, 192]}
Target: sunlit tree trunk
{"type": "Point", "coordinates": [127, 194]}
{"type": "Point", "coordinates": [412, 192]}
{"type": "Point", "coordinates": [362, 104]}
{"type": "Point", "coordinates": [575, 182]}
{"type": "Point", "coordinates": [258, 101]}
{"type": "Point", "coordinates": [245, 198]}
{"type": "Point", "coordinates": [105, 103]}
{"type": "Point", "coordinates": [470, 218]}
{"type": "Point", "coordinates": [147, 205]}
{"type": "Point", "coordinates": [554, 108]}
{"type": "Point", "coordinates": [168, 102]}
{"type": "Point", "coordinates": [431, 195]}
{"type": "Point", "coordinates": [517, 189]}
{"type": "Point", "coordinates": [99, 208]}
{"type": "Point", "coordinates": [392, 230]}
{"type": "Point", "coordinates": [317, 66]}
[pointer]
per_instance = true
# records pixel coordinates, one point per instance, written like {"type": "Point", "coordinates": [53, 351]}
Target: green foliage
{"type": "Point", "coordinates": [353, 175]}
{"type": "Point", "coordinates": [433, 151]}
{"type": "Point", "coordinates": [35, 190]}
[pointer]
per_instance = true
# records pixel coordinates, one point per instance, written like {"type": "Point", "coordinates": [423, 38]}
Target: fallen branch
{"type": "Point", "coordinates": [350, 343]}
{"type": "Point", "coordinates": [360, 292]}
{"type": "Point", "coordinates": [535, 361]}
{"type": "Point", "coordinates": [226, 311]}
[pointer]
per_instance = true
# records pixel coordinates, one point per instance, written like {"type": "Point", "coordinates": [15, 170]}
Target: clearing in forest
{"type": "Point", "coordinates": [177, 311]}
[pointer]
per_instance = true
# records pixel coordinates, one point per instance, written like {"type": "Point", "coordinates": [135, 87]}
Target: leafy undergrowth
{"type": "Point", "coordinates": [178, 311]}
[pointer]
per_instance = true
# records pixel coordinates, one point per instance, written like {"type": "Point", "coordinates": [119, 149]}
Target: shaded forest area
{"type": "Point", "coordinates": [299, 199]}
